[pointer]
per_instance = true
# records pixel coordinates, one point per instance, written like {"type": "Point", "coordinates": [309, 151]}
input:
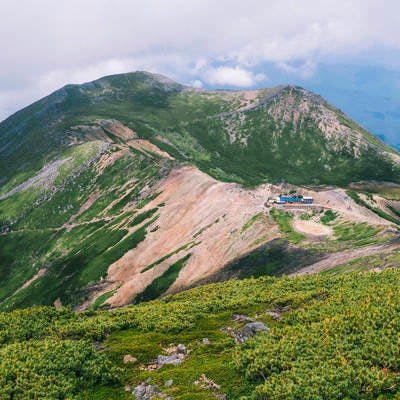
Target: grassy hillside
{"type": "Point", "coordinates": [75, 224]}
{"type": "Point", "coordinates": [76, 170]}
{"type": "Point", "coordinates": [330, 337]}
{"type": "Point", "coordinates": [279, 133]}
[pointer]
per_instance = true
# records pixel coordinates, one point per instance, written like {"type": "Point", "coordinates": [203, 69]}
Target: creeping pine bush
{"type": "Point", "coordinates": [51, 369]}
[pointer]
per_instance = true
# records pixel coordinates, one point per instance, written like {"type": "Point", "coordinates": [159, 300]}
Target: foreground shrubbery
{"type": "Point", "coordinates": [338, 338]}
{"type": "Point", "coordinates": [51, 369]}
{"type": "Point", "coordinates": [345, 346]}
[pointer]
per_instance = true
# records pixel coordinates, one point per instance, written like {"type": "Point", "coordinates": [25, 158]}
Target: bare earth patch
{"type": "Point", "coordinates": [311, 229]}
{"type": "Point", "coordinates": [204, 213]}
{"type": "Point", "coordinates": [205, 217]}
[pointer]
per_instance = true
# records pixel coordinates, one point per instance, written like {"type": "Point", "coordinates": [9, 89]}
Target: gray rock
{"type": "Point", "coordinates": [139, 392]}
{"type": "Point", "coordinates": [174, 360]}
{"type": "Point", "coordinates": [169, 383]}
{"type": "Point", "coordinates": [145, 392]}
{"type": "Point", "coordinates": [250, 330]}
{"type": "Point", "coordinates": [206, 341]}
{"type": "Point", "coordinates": [181, 349]}
{"type": "Point", "coordinates": [241, 318]}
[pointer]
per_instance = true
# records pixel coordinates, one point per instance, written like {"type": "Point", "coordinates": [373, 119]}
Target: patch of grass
{"type": "Point", "coordinates": [163, 282]}
{"type": "Point", "coordinates": [147, 200]}
{"type": "Point", "coordinates": [389, 260]}
{"type": "Point", "coordinates": [376, 210]}
{"type": "Point", "coordinates": [159, 261]}
{"type": "Point", "coordinates": [305, 216]}
{"type": "Point", "coordinates": [328, 217]}
{"type": "Point", "coordinates": [394, 210]}
{"type": "Point", "coordinates": [213, 360]}
{"type": "Point", "coordinates": [142, 217]}
{"type": "Point", "coordinates": [100, 301]}
{"type": "Point", "coordinates": [332, 328]}
{"type": "Point", "coordinates": [284, 221]}
{"type": "Point", "coordinates": [21, 256]}
{"type": "Point", "coordinates": [251, 221]}
{"type": "Point", "coordinates": [355, 232]}
{"type": "Point", "coordinates": [200, 231]}
{"type": "Point", "coordinates": [98, 267]}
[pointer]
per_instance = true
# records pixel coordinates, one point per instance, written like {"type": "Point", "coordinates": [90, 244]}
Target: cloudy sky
{"type": "Point", "coordinates": [349, 51]}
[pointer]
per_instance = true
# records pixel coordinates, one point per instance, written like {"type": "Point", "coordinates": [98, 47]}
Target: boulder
{"type": "Point", "coordinates": [181, 349]}
{"type": "Point", "coordinates": [250, 330]}
{"type": "Point", "coordinates": [174, 360]}
{"type": "Point", "coordinates": [145, 392]}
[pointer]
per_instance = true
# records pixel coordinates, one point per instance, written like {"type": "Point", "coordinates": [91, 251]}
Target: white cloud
{"type": "Point", "coordinates": [198, 84]}
{"type": "Point", "coordinates": [227, 76]}
{"type": "Point", "coordinates": [46, 43]}
{"type": "Point", "coordinates": [305, 70]}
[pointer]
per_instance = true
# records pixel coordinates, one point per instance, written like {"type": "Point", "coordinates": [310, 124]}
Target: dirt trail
{"type": "Point", "coordinates": [38, 275]}
{"type": "Point", "coordinates": [345, 256]}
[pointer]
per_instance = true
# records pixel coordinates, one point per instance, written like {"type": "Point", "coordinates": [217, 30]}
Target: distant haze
{"type": "Point", "coordinates": [346, 50]}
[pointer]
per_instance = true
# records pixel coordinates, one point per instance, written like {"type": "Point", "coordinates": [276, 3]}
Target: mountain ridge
{"type": "Point", "coordinates": [133, 186]}
{"type": "Point", "coordinates": [158, 111]}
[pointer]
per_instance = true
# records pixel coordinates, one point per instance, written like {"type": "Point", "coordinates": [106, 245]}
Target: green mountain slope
{"type": "Point", "coordinates": [105, 174]}
{"type": "Point", "coordinates": [267, 135]}
{"type": "Point", "coordinates": [330, 337]}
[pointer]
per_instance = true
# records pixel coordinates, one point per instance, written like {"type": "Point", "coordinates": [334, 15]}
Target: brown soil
{"type": "Point", "coordinates": [209, 216]}
{"type": "Point", "coordinates": [142, 144]}
{"type": "Point", "coordinates": [194, 202]}
{"type": "Point", "coordinates": [311, 229]}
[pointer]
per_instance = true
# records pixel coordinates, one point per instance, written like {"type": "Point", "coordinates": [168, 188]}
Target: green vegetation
{"type": "Point", "coordinates": [138, 219]}
{"type": "Point", "coordinates": [147, 200]}
{"type": "Point", "coordinates": [51, 369]}
{"type": "Point", "coordinates": [305, 216]}
{"type": "Point", "coordinates": [328, 217]}
{"type": "Point", "coordinates": [272, 259]}
{"type": "Point", "coordinates": [394, 211]}
{"type": "Point", "coordinates": [101, 300]}
{"type": "Point", "coordinates": [358, 233]}
{"type": "Point", "coordinates": [251, 221]}
{"type": "Point", "coordinates": [380, 261]}
{"type": "Point", "coordinates": [284, 219]}
{"type": "Point", "coordinates": [200, 231]}
{"type": "Point", "coordinates": [376, 210]}
{"type": "Point", "coordinates": [75, 244]}
{"type": "Point", "coordinates": [160, 260]}
{"type": "Point", "coordinates": [337, 338]}
{"type": "Point", "coordinates": [194, 125]}
{"type": "Point", "coordinates": [70, 224]}
{"type": "Point", "coordinates": [163, 282]}
{"type": "Point", "coordinates": [338, 335]}
{"type": "Point", "coordinates": [98, 267]}
{"type": "Point", "coordinates": [338, 346]}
